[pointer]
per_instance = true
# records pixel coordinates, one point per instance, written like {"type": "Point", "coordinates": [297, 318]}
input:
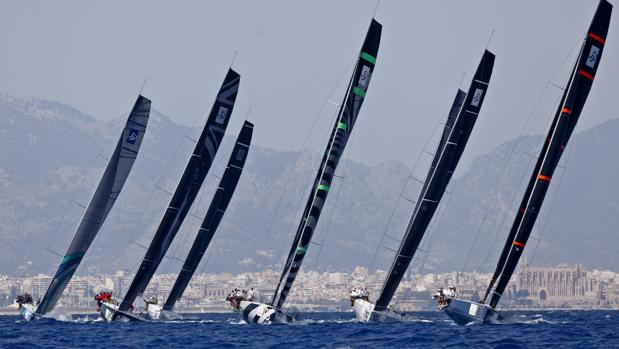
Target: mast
{"type": "Point", "coordinates": [460, 123]}
{"type": "Point", "coordinates": [216, 211]}
{"type": "Point", "coordinates": [564, 122]}
{"type": "Point", "coordinates": [188, 187]}
{"type": "Point", "coordinates": [110, 186]}
{"type": "Point", "coordinates": [344, 124]}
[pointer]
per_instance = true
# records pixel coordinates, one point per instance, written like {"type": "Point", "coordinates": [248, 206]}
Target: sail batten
{"type": "Point", "coordinates": [347, 116]}
{"type": "Point", "coordinates": [563, 124]}
{"type": "Point", "coordinates": [460, 122]}
{"type": "Point", "coordinates": [188, 188]}
{"type": "Point", "coordinates": [214, 215]}
{"type": "Point", "coordinates": [112, 182]}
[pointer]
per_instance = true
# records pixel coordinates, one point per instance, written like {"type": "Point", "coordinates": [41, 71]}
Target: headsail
{"type": "Point", "coordinates": [188, 187]}
{"type": "Point", "coordinates": [221, 199]}
{"type": "Point", "coordinates": [110, 185]}
{"type": "Point", "coordinates": [347, 116]}
{"type": "Point", "coordinates": [458, 128]}
{"type": "Point", "coordinates": [563, 125]}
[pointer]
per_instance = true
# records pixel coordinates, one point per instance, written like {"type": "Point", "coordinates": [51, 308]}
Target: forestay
{"type": "Point", "coordinates": [216, 211]}
{"type": "Point", "coordinates": [110, 186]}
{"type": "Point", "coordinates": [344, 124]}
{"type": "Point", "coordinates": [563, 124]}
{"type": "Point", "coordinates": [188, 187]}
{"type": "Point", "coordinates": [460, 123]}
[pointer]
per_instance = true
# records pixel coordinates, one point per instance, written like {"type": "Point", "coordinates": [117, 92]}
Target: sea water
{"type": "Point", "coordinates": [541, 329]}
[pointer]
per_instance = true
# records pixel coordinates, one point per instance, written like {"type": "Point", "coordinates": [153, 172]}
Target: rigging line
{"type": "Point", "coordinates": [302, 188]}
{"type": "Point", "coordinates": [376, 8]}
{"type": "Point", "coordinates": [514, 200]}
{"type": "Point", "coordinates": [188, 228]}
{"type": "Point", "coordinates": [194, 224]}
{"type": "Point", "coordinates": [346, 167]}
{"type": "Point", "coordinates": [510, 158]}
{"type": "Point", "coordinates": [545, 222]}
{"type": "Point", "coordinates": [407, 180]}
{"type": "Point", "coordinates": [543, 160]}
{"type": "Point", "coordinates": [462, 79]}
{"type": "Point", "coordinates": [248, 113]}
{"type": "Point", "coordinates": [430, 138]}
{"type": "Point", "coordinates": [95, 244]}
{"type": "Point", "coordinates": [490, 39]}
{"type": "Point", "coordinates": [314, 194]}
{"type": "Point", "coordinates": [233, 58]}
{"type": "Point", "coordinates": [430, 240]}
{"type": "Point", "coordinates": [143, 85]}
{"type": "Point", "coordinates": [552, 202]}
{"type": "Point", "coordinates": [168, 164]}
{"type": "Point", "coordinates": [303, 146]}
{"type": "Point", "coordinates": [92, 169]}
{"type": "Point", "coordinates": [521, 186]}
{"type": "Point", "coordinates": [148, 201]}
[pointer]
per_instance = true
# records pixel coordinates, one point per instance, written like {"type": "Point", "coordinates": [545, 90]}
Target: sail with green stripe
{"type": "Point", "coordinates": [344, 124]}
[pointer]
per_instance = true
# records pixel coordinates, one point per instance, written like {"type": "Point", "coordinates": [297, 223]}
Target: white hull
{"type": "Point", "coordinates": [263, 314]}
{"type": "Point", "coordinates": [109, 312]}
{"type": "Point", "coordinates": [364, 312]}
{"type": "Point", "coordinates": [154, 311]}
{"type": "Point", "coordinates": [28, 311]}
{"type": "Point", "coordinates": [168, 315]}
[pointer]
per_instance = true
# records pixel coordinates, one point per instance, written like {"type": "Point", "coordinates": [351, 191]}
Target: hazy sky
{"type": "Point", "coordinates": [95, 55]}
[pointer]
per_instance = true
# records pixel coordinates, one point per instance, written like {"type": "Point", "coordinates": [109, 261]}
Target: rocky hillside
{"type": "Point", "coordinates": [51, 157]}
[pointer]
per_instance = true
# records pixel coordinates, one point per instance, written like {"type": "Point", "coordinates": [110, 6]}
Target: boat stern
{"type": "Point", "coordinates": [363, 309]}
{"type": "Point", "coordinates": [110, 313]}
{"type": "Point", "coordinates": [154, 311]}
{"type": "Point", "coordinates": [464, 312]}
{"type": "Point", "coordinates": [28, 311]}
{"type": "Point", "coordinates": [107, 311]}
{"type": "Point", "coordinates": [263, 314]}
{"type": "Point", "coordinates": [365, 312]}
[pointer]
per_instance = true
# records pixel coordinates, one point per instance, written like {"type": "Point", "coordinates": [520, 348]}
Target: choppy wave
{"type": "Point", "coordinates": [592, 329]}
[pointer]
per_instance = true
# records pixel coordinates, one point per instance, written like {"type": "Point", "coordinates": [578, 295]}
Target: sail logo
{"type": "Point", "coordinates": [477, 97]}
{"type": "Point", "coordinates": [364, 78]}
{"type": "Point", "coordinates": [221, 115]}
{"type": "Point", "coordinates": [241, 155]}
{"type": "Point", "coordinates": [594, 53]}
{"type": "Point", "coordinates": [132, 136]}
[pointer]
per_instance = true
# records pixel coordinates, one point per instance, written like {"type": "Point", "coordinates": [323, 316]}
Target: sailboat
{"type": "Point", "coordinates": [216, 211]}
{"type": "Point", "coordinates": [262, 313]}
{"type": "Point", "coordinates": [109, 187]}
{"type": "Point", "coordinates": [460, 122]}
{"type": "Point", "coordinates": [563, 124]}
{"type": "Point", "coordinates": [182, 199]}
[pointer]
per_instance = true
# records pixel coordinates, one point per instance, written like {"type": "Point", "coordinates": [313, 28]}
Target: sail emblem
{"type": "Point", "coordinates": [132, 136]}
{"type": "Point", "coordinates": [593, 56]}
{"type": "Point", "coordinates": [241, 154]}
{"type": "Point", "coordinates": [221, 115]}
{"type": "Point", "coordinates": [364, 78]}
{"type": "Point", "coordinates": [477, 97]}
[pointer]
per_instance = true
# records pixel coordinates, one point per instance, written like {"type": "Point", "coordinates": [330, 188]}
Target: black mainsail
{"type": "Point", "coordinates": [188, 187]}
{"type": "Point", "coordinates": [563, 124]}
{"type": "Point", "coordinates": [110, 186]}
{"type": "Point", "coordinates": [460, 123]}
{"type": "Point", "coordinates": [344, 123]}
{"type": "Point", "coordinates": [216, 211]}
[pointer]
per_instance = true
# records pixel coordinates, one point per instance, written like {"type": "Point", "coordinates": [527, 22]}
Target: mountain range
{"type": "Point", "coordinates": [52, 155]}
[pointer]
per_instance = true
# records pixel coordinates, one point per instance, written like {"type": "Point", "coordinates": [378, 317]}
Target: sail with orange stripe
{"type": "Point", "coordinates": [562, 127]}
